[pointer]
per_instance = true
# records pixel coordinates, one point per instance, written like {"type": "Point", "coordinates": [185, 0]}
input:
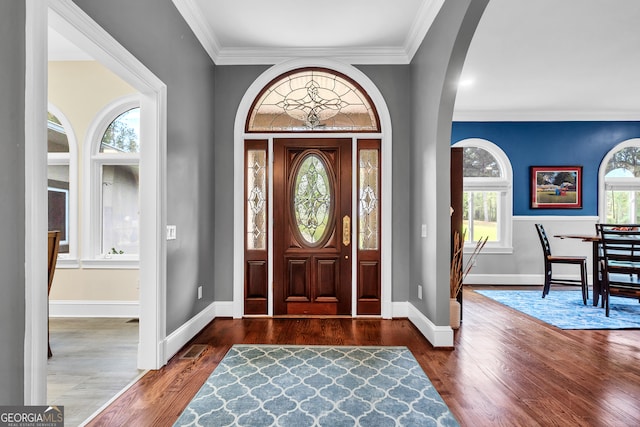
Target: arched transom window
{"type": "Point", "coordinates": [313, 99]}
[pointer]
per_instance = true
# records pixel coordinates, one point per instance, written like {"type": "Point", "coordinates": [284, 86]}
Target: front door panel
{"type": "Point", "coordinates": [312, 216]}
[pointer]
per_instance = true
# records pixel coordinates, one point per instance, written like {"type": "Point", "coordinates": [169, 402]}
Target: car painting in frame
{"type": "Point", "coordinates": [556, 187]}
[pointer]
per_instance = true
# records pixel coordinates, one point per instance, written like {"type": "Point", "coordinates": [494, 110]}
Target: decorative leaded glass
{"type": "Point", "coordinates": [256, 199]}
{"type": "Point", "coordinates": [313, 100]}
{"type": "Point", "coordinates": [369, 198]}
{"type": "Point", "coordinates": [123, 134]}
{"type": "Point", "coordinates": [312, 199]}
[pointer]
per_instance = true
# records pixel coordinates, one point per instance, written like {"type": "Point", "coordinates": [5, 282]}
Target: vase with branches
{"type": "Point", "coordinates": [458, 272]}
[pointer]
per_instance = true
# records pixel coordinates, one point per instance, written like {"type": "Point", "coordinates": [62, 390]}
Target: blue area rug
{"type": "Point", "coordinates": [565, 310]}
{"type": "Point", "coordinates": [267, 385]}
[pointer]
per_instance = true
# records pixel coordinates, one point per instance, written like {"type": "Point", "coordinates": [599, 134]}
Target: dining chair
{"type": "Point", "coordinates": [620, 261]}
{"type": "Point", "coordinates": [550, 260]}
{"type": "Point", "coordinates": [52, 258]}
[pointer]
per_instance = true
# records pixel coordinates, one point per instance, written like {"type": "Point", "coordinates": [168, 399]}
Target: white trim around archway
{"type": "Point", "coordinates": [70, 21]}
{"type": "Point", "coordinates": [238, 174]}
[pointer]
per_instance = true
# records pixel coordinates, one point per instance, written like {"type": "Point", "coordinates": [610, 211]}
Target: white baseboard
{"type": "Point", "coordinates": [181, 336]}
{"type": "Point", "coordinates": [438, 336]}
{"type": "Point", "coordinates": [514, 279]}
{"type": "Point", "coordinates": [223, 308]}
{"type": "Point", "coordinates": [88, 308]}
{"type": "Point", "coordinates": [399, 309]}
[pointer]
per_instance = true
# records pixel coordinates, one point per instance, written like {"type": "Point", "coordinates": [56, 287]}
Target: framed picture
{"type": "Point", "coordinates": [556, 187]}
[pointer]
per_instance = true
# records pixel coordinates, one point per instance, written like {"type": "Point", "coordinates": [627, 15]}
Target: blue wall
{"type": "Point", "coordinates": [551, 144]}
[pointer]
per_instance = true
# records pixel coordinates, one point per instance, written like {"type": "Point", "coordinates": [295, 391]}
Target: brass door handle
{"type": "Point", "coordinates": [346, 230]}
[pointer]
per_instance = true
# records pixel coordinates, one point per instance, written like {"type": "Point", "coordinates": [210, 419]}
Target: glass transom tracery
{"type": "Point", "coordinates": [313, 100]}
{"type": "Point", "coordinates": [312, 199]}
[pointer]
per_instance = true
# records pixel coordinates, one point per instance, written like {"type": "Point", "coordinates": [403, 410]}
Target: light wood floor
{"type": "Point", "coordinates": [93, 359]}
{"type": "Point", "coordinates": [507, 369]}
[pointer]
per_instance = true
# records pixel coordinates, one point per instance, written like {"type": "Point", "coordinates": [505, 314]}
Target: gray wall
{"type": "Point", "coordinates": [231, 84]}
{"type": "Point", "coordinates": [394, 83]}
{"type": "Point", "coordinates": [154, 32]}
{"type": "Point", "coordinates": [12, 201]}
{"type": "Point", "coordinates": [435, 70]}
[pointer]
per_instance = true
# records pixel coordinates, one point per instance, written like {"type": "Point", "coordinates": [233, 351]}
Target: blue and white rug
{"type": "Point", "coordinates": [565, 309]}
{"type": "Point", "coordinates": [268, 385]}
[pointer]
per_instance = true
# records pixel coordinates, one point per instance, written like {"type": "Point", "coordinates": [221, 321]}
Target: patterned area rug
{"type": "Point", "coordinates": [267, 385]}
{"type": "Point", "coordinates": [565, 310]}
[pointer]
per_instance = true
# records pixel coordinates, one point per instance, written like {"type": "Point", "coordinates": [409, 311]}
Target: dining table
{"type": "Point", "coordinates": [594, 239]}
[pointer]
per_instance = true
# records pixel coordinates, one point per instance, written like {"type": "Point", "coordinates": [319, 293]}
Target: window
{"type": "Point", "coordinates": [620, 173]}
{"type": "Point", "coordinates": [114, 185]}
{"type": "Point", "coordinates": [313, 99]}
{"type": "Point", "coordinates": [487, 197]}
{"type": "Point", "coordinates": [61, 184]}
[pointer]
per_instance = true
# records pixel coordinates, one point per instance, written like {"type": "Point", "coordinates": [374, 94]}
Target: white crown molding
{"type": "Point", "coordinates": [261, 56]}
{"type": "Point", "coordinates": [193, 15]}
{"type": "Point", "coordinates": [543, 116]}
{"type": "Point", "coordinates": [425, 17]}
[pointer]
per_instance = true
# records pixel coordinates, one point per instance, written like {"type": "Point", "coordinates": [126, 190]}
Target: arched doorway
{"type": "Point", "coordinates": [308, 281]}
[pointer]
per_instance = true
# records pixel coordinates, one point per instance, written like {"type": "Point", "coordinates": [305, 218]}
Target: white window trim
{"type": "Point", "coordinates": [502, 185]}
{"type": "Point", "coordinates": [92, 188]}
{"type": "Point", "coordinates": [604, 184]}
{"type": "Point", "coordinates": [70, 159]}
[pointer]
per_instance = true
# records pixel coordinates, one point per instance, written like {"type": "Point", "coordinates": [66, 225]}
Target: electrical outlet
{"type": "Point", "coordinates": [200, 292]}
{"type": "Point", "coordinates": [419, 291]}
{"type": "Point", "coordinates": [171, 232]}
{"type": "Point", "coordinates": [423, 231]}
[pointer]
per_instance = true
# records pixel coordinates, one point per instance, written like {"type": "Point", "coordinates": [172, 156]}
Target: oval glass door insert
{"type": "Point", "coordinates": [312, 199]}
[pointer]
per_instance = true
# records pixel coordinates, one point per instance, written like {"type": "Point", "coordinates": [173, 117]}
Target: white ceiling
{"type": "Point", "coordinates": [529, 59]}
{"type": "Point", "coordinates": [265, 32]}
{"type": "Point", "coordinates": [554, 60]}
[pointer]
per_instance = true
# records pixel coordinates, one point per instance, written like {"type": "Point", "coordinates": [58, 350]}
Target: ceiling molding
{"type": "Point", "coordinates": [193, 15]}
{"type": "Point", "coordinates": [545, 116]}
{"type": "Point", "coordinates": [425, 17]}
{"type": "Point", "coordinates": [260, 56]}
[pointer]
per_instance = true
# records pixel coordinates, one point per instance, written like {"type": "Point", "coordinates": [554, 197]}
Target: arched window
{"type": "Point", "coordinates": [620, 177]}
{"type": "Point", "coordinates": [313, 99]}
{"type": "Point", "coordinates": [62, 184]}
{"type": "Point", "coordinates": [487, 195]}
{"type": "Point", "coordinates": [114, 183]}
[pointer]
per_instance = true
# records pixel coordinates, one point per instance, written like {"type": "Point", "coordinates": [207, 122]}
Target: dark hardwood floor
{"type": "Point", "coordinates": [507, 369]}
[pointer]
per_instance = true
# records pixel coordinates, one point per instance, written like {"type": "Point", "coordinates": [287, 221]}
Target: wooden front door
{"type": "Point", "coordinates": [312, 226]}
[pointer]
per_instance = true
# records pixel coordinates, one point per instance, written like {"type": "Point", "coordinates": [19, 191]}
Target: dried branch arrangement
{"type": "Point", "coordinates": [457, 273]}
